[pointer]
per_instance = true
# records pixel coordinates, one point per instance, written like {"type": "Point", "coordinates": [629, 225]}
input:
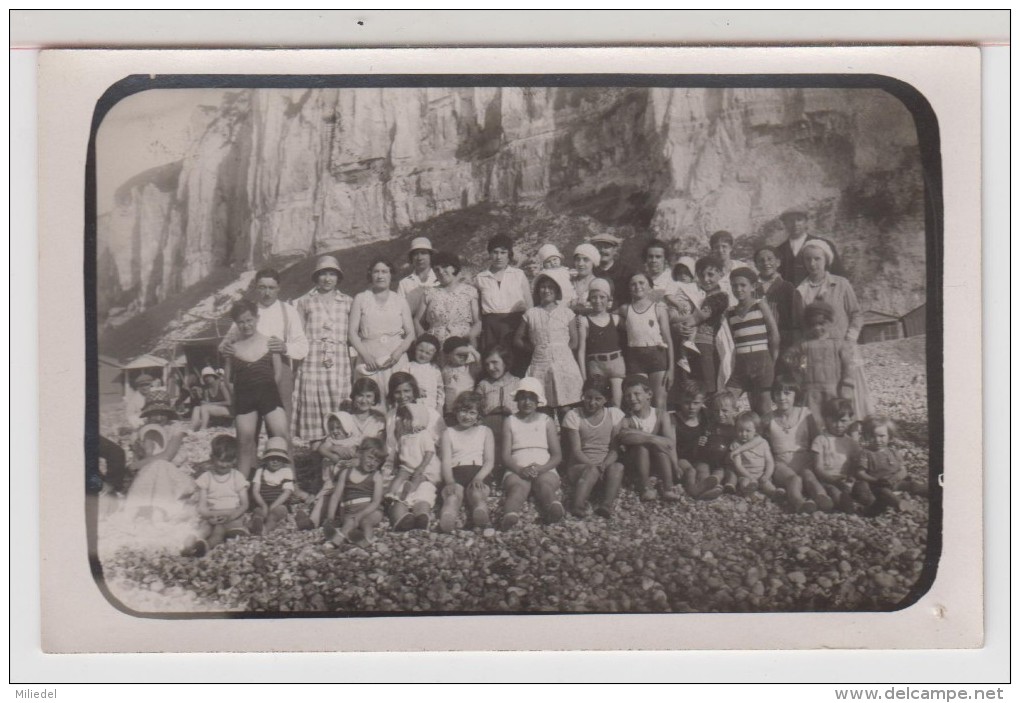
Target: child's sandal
{"type": "Point", "coordinates": [405, 523]}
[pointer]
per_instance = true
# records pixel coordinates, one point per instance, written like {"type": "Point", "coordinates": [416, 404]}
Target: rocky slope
{"type": "Point", "coordinates": [284, 173]}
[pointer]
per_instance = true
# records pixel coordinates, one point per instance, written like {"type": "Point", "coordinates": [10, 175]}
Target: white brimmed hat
{"type": "Point", "coordinates": [589, 252]}
{"type": "Point", "coordinates": [208, 371]}
{"type": "Point", "coordinates": [421, 243]}
{"type": "Point", "coordinates": [327, 263]}
{"type": "Point", "coordinates": [276, 448]}
{"type": "Point", "coordinates": [547, 251]}
{"type": "Point", "coordinates": [345, 419]}
{"type": "Point", "coordinates": [532, 385]}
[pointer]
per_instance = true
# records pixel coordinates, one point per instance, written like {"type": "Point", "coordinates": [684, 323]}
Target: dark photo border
{"type": "Point", "coordinates": [929, 145]}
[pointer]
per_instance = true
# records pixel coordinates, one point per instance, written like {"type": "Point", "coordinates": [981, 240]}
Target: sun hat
{"type": "Point", "coordinates": [532, 385]}
{"type": "Point", "coordinates": [601, 285]}
{"type": "Point", "coordinates": [325, 263]}
{"type": "Point", "coordinates": [687, 262]}
{"type": "Point", "coordinates": [345, 419]}
{"type": "Point", "coordinates": [208, 371]}
{"type": "Point", "coordinates": [588, 251]}
{"type": "Point", "coordinates": [547, 251]}
{"type": "Point", "coordinates": [606, 238]}
{"type": "Point", "coordinates": [144, 379]}
{"type": "Point", "coordinates": [421, 244]}
{"type": "Point", "coordinates": [157, 403]}
{"type": "Point", "coordinates": [822, 246]}
{"type": "Point", "coordinates": [276, 447]}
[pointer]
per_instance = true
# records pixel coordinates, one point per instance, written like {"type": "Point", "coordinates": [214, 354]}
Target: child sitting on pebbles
{"type": "Point", "coordinates": [467, 454]}
{"type": "Point", "coordinates": [531, 453]}
{"type": "Point", "coordinates": [751, 458]}
{"type": "Point", "coordinates": [222, 498]}
{"type": "Point", "coordinates": [339, 451]}
{"type": "Point", "coordinates": [646, 433]}
{"type": "Point", "coordinates": [591, 438]}
{"type": "Point", "coordinates": [358, 495]}
{"type": "Point", "coordinates": [273, 486]}
{"type": "Point", "coordinates": [413, 490]}
{"type": "Point", "coordinates": [713, 457]}
{"type": "Point", "coordinates": [880, 469]}
{"type": "Point", "coordinates": [836, 453]}
{"type": "Point", "coordinates": [691, 432]}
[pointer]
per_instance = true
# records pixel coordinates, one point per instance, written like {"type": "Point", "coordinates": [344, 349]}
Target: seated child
{"type": "Point", "coordinates": [460, 368]}
{"type": "Point", "coordinates": [467, 454]}
{"type": "Point", "coordinates": [413, 490]}
{"type": "Point", "coordinates": [531, 453]}
{"type": "Point", "coordinates": [426, 372]}
{"type": "Point", "coordinates": [591, 441]}
{"type": "Point", "coordinates": [356, 502]}
{"type": "Point", "coordinates": [880, 469]}
{"type": "Point", "coordinates": [339, 451]}
{"type": "Point", "coordinates": [691, 432]}
{"type": "Point", "coordinates": [600, 341]}
{"type": "Point", "coordinates": [713, 456]}
{"type": "Point", "coordinates": [273, 486]}
{"type": "Point", "coordinates": [222, 498]}
{"type": "Point", "coordinates": [755, 342]}
{"type": "Point", "coordinates": [497, 390]}
{"type": "Point", "coordinates": [751, 457]}
{"type": "Point", "coordinates": [836, 454]}
{"type": "Point", "coordinates": [826, 366]}
{"type": "Point", "coordinates": [646, 434]}
{"type": "Point", "coordinates": [791, 431]}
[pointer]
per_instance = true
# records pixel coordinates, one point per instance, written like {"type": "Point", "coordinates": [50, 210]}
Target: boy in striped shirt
{"type": "Point", "coordinates": [755, 342]}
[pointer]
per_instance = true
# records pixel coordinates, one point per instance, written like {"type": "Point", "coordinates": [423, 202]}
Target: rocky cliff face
{"type": "Point", "coordinates": [286, 173]}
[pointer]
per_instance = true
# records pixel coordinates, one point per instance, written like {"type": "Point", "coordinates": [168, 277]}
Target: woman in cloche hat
{"type": "Point", "coordinates": [324, 379]}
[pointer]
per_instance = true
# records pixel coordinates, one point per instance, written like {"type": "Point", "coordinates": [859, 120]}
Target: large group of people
{"type": "Point", "coordinates": [442, 388]}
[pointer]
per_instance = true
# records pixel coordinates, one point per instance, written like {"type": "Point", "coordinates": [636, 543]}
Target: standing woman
{"type": "Point", "coordinates": [324, 380]}
{"type": "Point", "coordinates": [380, 328]}
{"type": "Point", "coordinates": [822, 286]}
{"type": "Point", "coordinates": [255, 370]}
{"type": "Point", "coordinates": [451, 308]}
{"type": "Point", "coordinates": [505, 295]}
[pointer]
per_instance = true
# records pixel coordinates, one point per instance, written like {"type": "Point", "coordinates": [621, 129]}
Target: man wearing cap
{"type": "Point", "coordinates": [790, 266]}
{"type": "Point", "coordinates": [324, 379]}
{"type": "Point", "coordinates": [611, 269]}
{"type": "Point", "coordinates": [281, 323]}
{"type": "Point", "coordinates": [422, 276]}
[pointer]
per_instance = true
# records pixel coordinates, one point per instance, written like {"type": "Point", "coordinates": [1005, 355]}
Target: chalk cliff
{"type": "Point", "coordinates": [280, 174]}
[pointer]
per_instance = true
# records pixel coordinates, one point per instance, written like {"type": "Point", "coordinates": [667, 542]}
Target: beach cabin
{"type": "Point", "coordinates": [915, 321]}
{"type": "Point", "coordinates": [879, 327]}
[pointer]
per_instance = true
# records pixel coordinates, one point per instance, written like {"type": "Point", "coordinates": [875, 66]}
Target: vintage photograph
{"type": "Point", "coordinates": [516, 345]}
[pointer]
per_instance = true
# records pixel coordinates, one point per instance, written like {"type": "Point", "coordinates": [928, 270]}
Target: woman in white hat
{"type": "Point", "coordinates": [821, 285]}
{"type": "Point", "coordinates": [215, 400]}
{"type": "Point", "coordinates": [422, 277]}
{"type": "Point", "coordinates": [325, 376]}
